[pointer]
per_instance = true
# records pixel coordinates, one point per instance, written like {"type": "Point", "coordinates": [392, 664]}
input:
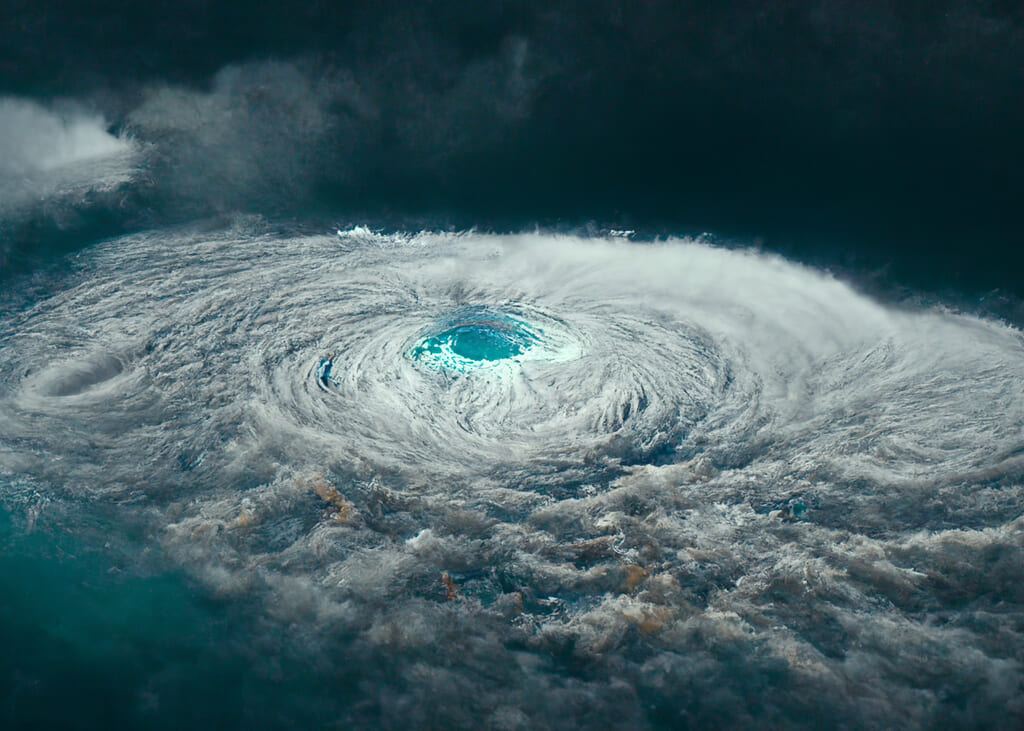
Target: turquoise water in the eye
{"type": "Point", "coordinates": [482, 342]}
{"type": "Point", "coordinates": [474, 339]}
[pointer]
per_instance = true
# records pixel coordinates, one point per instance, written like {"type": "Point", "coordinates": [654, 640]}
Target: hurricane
{"type": "Point", "coordinates": [577, 364]}
{"type": "Point", "coordinates": [518, 477]}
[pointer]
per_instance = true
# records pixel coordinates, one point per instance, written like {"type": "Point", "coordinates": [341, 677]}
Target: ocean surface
{"type": "Point", "coordinates": [563, 365]}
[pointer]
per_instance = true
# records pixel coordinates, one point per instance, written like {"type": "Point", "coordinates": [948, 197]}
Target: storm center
{"type": "Point", "coordinates": [472, 339]}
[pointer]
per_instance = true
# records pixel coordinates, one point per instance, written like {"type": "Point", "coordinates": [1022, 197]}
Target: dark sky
{"type": "Point", "coordinates": [846, 132]}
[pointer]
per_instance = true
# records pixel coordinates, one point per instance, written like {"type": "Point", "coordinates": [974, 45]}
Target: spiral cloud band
{"type": "Point", "coordinates": [730, 488]}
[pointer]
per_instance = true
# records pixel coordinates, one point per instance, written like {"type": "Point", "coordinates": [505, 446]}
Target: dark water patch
{"type": "Point", "coordinates": [87, 645]}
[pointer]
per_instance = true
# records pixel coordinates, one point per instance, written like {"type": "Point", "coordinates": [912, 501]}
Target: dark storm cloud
{"type": "Point", "coordinates": [822, 127]}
